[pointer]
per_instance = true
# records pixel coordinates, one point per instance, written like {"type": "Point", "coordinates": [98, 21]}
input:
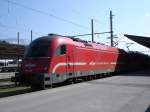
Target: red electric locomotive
{"type": "Point", "coordinates": [54, 59]}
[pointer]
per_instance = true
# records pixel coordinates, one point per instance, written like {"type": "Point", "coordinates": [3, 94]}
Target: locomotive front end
{"type": "Point", "coordinates": [36, 64]}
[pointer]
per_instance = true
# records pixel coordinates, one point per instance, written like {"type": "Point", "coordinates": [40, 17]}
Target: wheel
{"type": "Point", "coordinates": [39, 86]}
{"type": "Point", "coordinates": [36, 87]}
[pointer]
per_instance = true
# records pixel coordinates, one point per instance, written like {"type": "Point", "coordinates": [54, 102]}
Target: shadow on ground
{"type": "Point", "coordinates": [14, 91]}
{"type": "Point", "coordinates": [145, 73]}
{"type": "Point", "coordinates": [148, 109]}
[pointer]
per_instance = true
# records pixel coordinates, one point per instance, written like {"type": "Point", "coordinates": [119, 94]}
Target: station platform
{"type": "Point", "coordinates": [123, 93]}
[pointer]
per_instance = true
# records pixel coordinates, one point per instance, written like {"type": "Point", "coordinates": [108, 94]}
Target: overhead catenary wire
{"type": "Point", "coordinates": [47, 14]}
{"type": "Point", "coordinates": [20, 28]}
{"type": "Point", "coordinates": [95, 20]}
{"type": "Point", "coordinates": [90, 34]}
{"type": "Point", "coordinates": [89, 18]}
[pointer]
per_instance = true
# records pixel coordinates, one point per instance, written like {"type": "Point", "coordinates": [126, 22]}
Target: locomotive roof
{"type": "Point", "coordinates": [78, 42]}
{"type": "Point", "coordinates": [43, 39]}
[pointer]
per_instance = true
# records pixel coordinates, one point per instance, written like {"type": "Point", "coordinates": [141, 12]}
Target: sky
{"type": "Point", "coordinates": [73, 17]}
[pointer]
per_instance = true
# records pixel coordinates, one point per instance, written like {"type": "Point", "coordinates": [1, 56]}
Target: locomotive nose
{"type": "Point", "coordinates": [36, 65]}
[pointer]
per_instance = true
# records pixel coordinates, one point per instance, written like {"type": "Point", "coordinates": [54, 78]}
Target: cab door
{"type": "Point", "coordinates": [59, 64]}
{"type": "Point", "coordinates": [70, 61]}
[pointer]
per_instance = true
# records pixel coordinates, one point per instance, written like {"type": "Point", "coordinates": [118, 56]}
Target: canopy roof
{"type": "Point", "coordinates": [145, 41]}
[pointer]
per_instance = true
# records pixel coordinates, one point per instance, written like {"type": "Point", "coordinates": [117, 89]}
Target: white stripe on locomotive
{"type": "Point", "coordinates": [65, 64]}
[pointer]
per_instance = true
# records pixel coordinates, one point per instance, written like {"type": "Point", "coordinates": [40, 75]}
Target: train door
{"type": "Point", "coordinates": [70, 61]}
{"type": "Point", "coordinates": [59, 64]}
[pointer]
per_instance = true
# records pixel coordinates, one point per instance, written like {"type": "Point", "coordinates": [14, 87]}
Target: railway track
{"type": "Point", "coordinates": [11, 91]}
{"type": "Point", "coordinates": [5, 80]}
{"type": "Point", "coordinates": [8, 88]}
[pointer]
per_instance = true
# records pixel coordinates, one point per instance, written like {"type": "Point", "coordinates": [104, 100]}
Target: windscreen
{"type": "Point", "coordinates": [38, 48]}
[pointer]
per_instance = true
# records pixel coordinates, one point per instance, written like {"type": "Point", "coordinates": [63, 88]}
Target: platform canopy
{"type": "Point", "coordinates": [145, 41]}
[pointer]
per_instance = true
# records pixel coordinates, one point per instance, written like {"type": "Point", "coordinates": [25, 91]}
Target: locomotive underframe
{"type": "Point", "coordinates": [40, 80]}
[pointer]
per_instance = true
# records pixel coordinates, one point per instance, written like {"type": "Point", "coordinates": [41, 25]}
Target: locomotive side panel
{"type": "Point", "coordinates": [109, 60]}
{"type": "Point", "coordinates": [84, 57]}
{"type": "Point", "coordinates": [94, 61]}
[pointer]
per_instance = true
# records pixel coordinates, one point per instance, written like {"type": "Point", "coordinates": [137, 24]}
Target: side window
{"type": "Point", "coordinates": [61, 50]}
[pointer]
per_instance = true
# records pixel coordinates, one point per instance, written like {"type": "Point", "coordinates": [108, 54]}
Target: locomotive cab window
{"type": "Point", "coordinates": [37, 50]}
{"type": "Point", "coordinates": [61, 50]}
